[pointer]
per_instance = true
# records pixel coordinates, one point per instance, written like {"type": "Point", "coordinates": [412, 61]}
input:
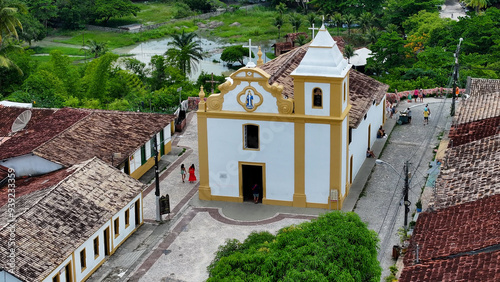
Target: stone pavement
{"type": "Point", "coordinates": [181, 248]}
{"type": "Point", "coordinates": [451, 9]}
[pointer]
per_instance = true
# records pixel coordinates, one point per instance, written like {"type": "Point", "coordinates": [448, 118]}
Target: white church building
{"type": "Point", "coordinates": [298, 127]}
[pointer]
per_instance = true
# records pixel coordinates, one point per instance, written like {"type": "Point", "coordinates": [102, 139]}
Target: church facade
{"type": "Point", "coordinates": [285, 128]}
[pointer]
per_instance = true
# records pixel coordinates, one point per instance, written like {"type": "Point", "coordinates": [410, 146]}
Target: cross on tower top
{"type": "Point", "coordinates": [313, 29]}
{"type": "Point", "coordinates": [250, 64]}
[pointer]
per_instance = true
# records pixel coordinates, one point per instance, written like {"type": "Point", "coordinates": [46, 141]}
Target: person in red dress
{"type": "Point", "coordinates": [192, 177]}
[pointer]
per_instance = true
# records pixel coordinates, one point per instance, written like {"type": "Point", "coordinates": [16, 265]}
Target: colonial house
{"type": "Point", "coordinates": [298, 127]}
{"type": "Point", "coordinates": [57, 138]}
{"type": "Point", "coordinates": [64, 224]}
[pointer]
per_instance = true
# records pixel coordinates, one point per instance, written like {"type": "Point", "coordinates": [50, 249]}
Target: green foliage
{"type": "Point", "coordinates": [235, 53]}
{"type": "Point", "coordinates": [106, 9]}
{"type": "Point", "coordinates": [96, 77]}
{"type": "Point", "coordinates": [199, 5]}
{"type": "Point", "coordinates": [335, 247]}
{"type": "Point", "coordinates": [46, 89]}
{"type": "Point", "coordinates": [348, 6]}
{"type": "Point", "coordinates": [186, 52]}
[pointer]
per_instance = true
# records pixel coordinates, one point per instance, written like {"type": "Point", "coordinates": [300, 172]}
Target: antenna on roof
{"type": "Point", "coordinates": [21, 121]}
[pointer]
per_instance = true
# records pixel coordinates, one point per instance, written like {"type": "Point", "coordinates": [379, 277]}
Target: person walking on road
{"type": "Point", "coordinates": [426, 115]}
{"type": "Point", "coordinates": [192, 177]}
{"type": "Point", "coordinates": [183, 172]}
{"type": "Point", "coordinates": [255, 191]}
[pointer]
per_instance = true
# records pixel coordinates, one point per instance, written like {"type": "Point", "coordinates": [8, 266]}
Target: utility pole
{"type": "Point", "coordinates": [157, 180]}
{"type": "Point", "coordinates": [406, 190]}
{"type": "Point", "coordinates": [455, 79]}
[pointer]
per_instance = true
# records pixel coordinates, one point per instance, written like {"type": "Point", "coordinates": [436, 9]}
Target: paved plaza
{"type": "Point", "coordinates": [181, 248]}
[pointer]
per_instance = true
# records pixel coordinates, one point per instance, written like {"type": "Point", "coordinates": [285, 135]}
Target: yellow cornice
{"type": "Point", "coordinates": [215, 101]}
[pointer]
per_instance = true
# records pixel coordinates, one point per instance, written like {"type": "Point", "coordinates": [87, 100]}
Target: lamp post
{"type": "Point", "coordinates": [455, 78]}
{"type": "Point", "coordinates": [407, 203]}
{"type": "Point", "coordinates": [157, 180]}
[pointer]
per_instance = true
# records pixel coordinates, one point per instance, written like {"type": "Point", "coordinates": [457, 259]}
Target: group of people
{"type": "Point", "coordinates": [416, 94]}
{"type": "Point", "coordinates": [192, 176]}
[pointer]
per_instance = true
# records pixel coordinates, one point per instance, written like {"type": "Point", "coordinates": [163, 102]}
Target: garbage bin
{"type": "Point", "coordinates": [395, 251]}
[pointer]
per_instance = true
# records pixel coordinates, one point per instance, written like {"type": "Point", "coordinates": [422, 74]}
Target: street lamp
{"type": "Point", "coordinates": [406, 188]}
{"type": "Point", "coordinates": [455, 78]}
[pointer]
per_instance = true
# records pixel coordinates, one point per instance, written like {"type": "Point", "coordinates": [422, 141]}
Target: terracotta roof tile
{"type": "Point", "coordinates": [66, 216]}
{"type": "Point", "coordinates": [480, 86]}
{"type": "Point", "coordinates": [43, 125]}
{"type": "Point", "coordinates": [457, 229]}
{"type": "Point", "coordinates": [478, 107]}
{"type": "Point", "coordinates": [363, 90]}
{"type": "Point", "coordinates": [480, 267]}
{"type": "Point", "coordinates": [470, 172]}
{"type": "Point", "coordinates": [101, 134]}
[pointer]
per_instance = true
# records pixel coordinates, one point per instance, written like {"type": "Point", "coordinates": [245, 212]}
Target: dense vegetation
{"type": "Point", "coordinates": [413, 47]}
{"type": "Point", "coordinates": [335, 247]}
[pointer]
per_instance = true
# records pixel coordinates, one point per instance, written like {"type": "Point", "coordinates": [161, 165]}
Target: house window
{"type": "Point", "coordinates": [96, 247]}
{"type": "Point", "coordinates": [366, 115]}
{"type": "Point", "coordinates": [143, 154]}
{"type": "Point", "coordinates": [83, 259]}
{"type": "Point", "coordinates": [251, 136]}
{"type": "Point", "coordinates": [345, 91]}
{"type": "Point", "coordinates": [117, 227]}
{"type": "Point", "coordinates": [350, 135]}
{"type": "Point", "coordinates": [127, 218]}
{"type": "Point", "coordinates": [56, 278]}
{"type": "Point", "coordinates": [317, 98]}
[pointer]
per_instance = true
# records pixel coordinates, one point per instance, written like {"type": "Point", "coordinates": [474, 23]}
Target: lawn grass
{"type": "Point", "coordinates": [150, 13]}
{"type": "Point", "coordinates": [47, 58]}
{"type": "Point", "coordinates": [65, 50]}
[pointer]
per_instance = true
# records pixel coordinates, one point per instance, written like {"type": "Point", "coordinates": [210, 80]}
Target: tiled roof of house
{"type": "Point", "coordinates": [480, 267]}
{"type": "Point", "coordinates": [66, 216]}
{"type": "Point", "coordinates": [43, 125]}
{"type": "Point", "coordinates": [68, 136]}
{"type": "Point", "coordinates": [476, 118]}
{"type": "Point", "coordinates": [480, 86]}
{"type": "Point", "coordinates": [362, 88]}
{"type": "Point", "coordinates": [455, 244]}
{"type": "Point", "coordinates": [470, 172]}
{"type": "Point", "coordinates": [101, 134]}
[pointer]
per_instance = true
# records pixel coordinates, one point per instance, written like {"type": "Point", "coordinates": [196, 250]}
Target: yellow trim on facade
{"type": "Point", "coordinates": [168, 147]}
{"type": "Point", "coordinates": [299, 195]}
{"type": "Point", "coordinates": [139, 172]}
{"type": "Point", "coordinates": [227, 199]}
{"type": "Point", "coordinates": [73, 270]}
{"type": "Point", "coordinates": [204, 191]}
{"type": "Point", "coordinates": [240, 176]}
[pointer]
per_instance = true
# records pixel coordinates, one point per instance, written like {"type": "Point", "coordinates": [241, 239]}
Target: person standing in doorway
{"type": "Point", "coordinates": [183, 172]}
{"type": "Point", "coordinates": [192, 177]}
{"type": "Point", "coordinates": [255, 191]}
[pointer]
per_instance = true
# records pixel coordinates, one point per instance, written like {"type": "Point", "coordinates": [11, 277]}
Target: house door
{"type": "Point", "coordinates": [106, 242]}
{"type": "Point", "coordinates": [137, 217]}
{"type": "Point", "coordinates": [251, 174]}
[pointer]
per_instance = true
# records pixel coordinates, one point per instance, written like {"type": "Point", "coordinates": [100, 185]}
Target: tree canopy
{"type": "Point", "coordinates": [337, 246]}
{"type": "Point", "coordinates": [234, 53]}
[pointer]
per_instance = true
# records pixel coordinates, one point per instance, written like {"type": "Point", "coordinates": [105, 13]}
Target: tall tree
{"type": "Point", "coordinates": [186, 51]}
{"type": "Point", "coordinates": [106, 9]}
{"type": "Point", "coordinates": [349, 21]}
{"type": "Point", "coordinates": [366, 20]}
{"type": "Point", "coordinates": [96, 48]}
{"type": "Point", "coordinates": [278, 22]}
{"type": "Point", "coordinates": [8, 20]}
{"type": "Point", "coordinates": [295, 21]}
{"type": "Point", "coordinates": [349, 52]}
{"type": "Point", "coordinates": [234, 53]}
{"type": "Point", "coordinates": [338, 20]}
{"type": "Point", "coordinates": [477, 4]}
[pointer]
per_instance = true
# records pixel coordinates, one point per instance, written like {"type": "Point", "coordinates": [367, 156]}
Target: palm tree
{"type": "Point", "coordinates": [311, 18]}
{"type": "Point", "coordinates": [366, 21]}
{"type": "Point", "coordinates": [338, 20]}
{"type": "Point", "coordinates": [349, 52]}
{"type": "Point", "coordinates": [391, 28]}
{"type": "Point", "coordinates": [296, 21]}
{"type": "Point", "coordinates": [8, 21]}
{"type": "Point", "coordinates": [9, 47]}
{"type": "Point", "coordinates": [278, 22]}
{"type": "Point", "coordinates": [477, 4]}
{"type": "Point", "coordinates": [301, 40]}
{"type": "Point", "coordinates": [186, 53]}
{"type": "Point", "coordinates": [96, 48]}
{"type": "Point", "coordinates": [373, 35]}
{"type": "Point", "coordinates": [281, 8]}
{"type": "Point", "coordinates": [349, 20]}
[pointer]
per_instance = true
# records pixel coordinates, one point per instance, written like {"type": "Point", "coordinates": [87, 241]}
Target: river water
{"type": "Point", "coordinates": [212, 50]}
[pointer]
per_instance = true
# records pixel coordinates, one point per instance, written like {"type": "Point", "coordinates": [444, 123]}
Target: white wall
{"type": "Point", "coordinates": [345, 161]}
{"type": "Point", "coordinates": [30, 165]}
{"type": "Point", "coordinates": [91, 261]}
{"type": "Point", "coordinates": [225, 145]}
{"type": "Point", "coordinates": [167, 134]}
{"type": "Point", "coordinates": [7, 277]}
{"type": "Point", "coordinates": [135, 163]}
{"type": "Point", "coordinates": [125, 231]}
{"type": "Point", "coordinates": [308, 91]}
{"type": "Point", "coordinates": [231, 103]}
{"type": "Point", "coordinates": [317, 162]}
{"type": "Point", "coordinates": [359, 143]}
{"type": "Point", "coordinates": [61, 270]}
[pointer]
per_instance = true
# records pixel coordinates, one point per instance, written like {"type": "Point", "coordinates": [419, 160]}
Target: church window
{"type": "Point", "coordinates": [251, 136]}
{"type": "Point", "coordinates": [317, 98]}
{"type": "Point", "coordinates": [83, 259]}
